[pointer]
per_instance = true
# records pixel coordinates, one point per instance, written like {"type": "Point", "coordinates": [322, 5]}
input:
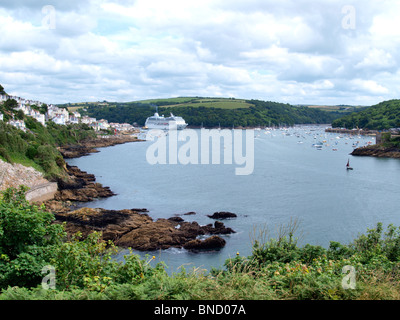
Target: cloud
{"type": "Point", "coordinates": [290, 51]}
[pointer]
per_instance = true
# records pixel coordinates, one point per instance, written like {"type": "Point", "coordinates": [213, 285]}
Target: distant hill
{"type": "Point", "coordinates": [209, 112]}
{"type": "Point", "coordinates": [382, 116]}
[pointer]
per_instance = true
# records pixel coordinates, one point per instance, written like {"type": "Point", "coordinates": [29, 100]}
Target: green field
{"type": "Point", "coordinates": [342, 109]}
{"type": "Point", "coordinates": [222, 103]}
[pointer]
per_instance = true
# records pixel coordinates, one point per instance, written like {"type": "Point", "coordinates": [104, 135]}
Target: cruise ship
{"type": "Point", "coordinates": [160, 122]}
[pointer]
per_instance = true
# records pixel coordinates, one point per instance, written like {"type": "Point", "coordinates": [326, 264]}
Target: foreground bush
{"type": "Point", "coordinates": [278, 268]}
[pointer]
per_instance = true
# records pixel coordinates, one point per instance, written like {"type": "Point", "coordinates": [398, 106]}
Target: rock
{"type": "Point", "coordinates": [211, 243]}
{"type": "Point", "coordinates": [140, 210]}
{"type": "Point", "coordinates": [129, 228]}
{"type": "Point", "coordinates": [219, 228]}
{"type": "Point", "coordinates": [377, 151]}
{"type": "Point", "coordinates": [189, 213]}
{"type": "Point", "coordinates": [89, 146]}
{"type": "Point", "coordinates": [218, 224]}
{"type": "Point", "coordinates": [222, 215]}
{"type": "Point", "coordinates": [80, 187]}
{"type": "Point", "coordinates": [176, 219]}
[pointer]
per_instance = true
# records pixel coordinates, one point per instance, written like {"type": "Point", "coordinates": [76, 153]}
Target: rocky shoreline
{"type": "Point", "coordinates": [135, 229]}
{"type": "Point", "coordinates": [129, 228]}
{"type": "Point", "coordinates": [377, 151]}
{"type": "Point", "coordinates": [90, 146]}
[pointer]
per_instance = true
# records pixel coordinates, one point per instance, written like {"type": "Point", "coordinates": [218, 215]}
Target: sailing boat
{"type": "Point", "coordinates": [348, 165]}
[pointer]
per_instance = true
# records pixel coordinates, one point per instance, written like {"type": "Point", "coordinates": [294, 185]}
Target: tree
{"type": "Point", "coordinates": [28, 238]}
{"type": "Point", "coordinates": [2, 92]}
{"type": "Point", "coordinates": [10, 104]}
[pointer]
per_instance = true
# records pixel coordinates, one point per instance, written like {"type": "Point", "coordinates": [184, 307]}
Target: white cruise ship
{"type": "Point", "coordinates": [160, 122]}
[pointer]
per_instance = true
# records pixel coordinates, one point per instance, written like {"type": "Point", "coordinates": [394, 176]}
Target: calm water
{"type": "Point", "coordinates": [291, 180]}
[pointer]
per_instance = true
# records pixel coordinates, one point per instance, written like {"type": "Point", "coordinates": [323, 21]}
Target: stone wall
{"type": "Point", "coordinates": [14, 175]}
{"type": "Point", "coordinates": [42, 192]}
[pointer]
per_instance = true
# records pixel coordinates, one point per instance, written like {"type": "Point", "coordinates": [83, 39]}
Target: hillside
{"type": "Point", "coordinates": [210, 112]}
{"type": "Point", "coordinates": [382, 116]}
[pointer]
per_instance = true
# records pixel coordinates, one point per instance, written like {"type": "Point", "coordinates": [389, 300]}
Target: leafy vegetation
{"type": "Point", "coordinates": [382, 116]}
{"type": "Point", "coordinates": [37, 147]}
{"type": "Point", "coordinates": [278, 268]}
{"type": "Point", "coordinates": [214, 112]}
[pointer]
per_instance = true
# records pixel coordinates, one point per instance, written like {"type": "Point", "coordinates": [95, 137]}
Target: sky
{"type": "Point", "coordinates": [293, 51]}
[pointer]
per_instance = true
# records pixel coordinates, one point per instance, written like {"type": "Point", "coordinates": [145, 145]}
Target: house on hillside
{"type": "Point", "coordinates": [37, 116]}
{"type": "Point", "coordinates": [88, 120]}
{"type": "Point", "coordinates": [73, 119]}
{"type": "Point", "coordinates": [103, 125]}
{"type": "Point", "coordinates": [59, 119]}
{"type": "Point", "coordinates": [57, 115]}
{"type": "Point", "coordinates": [122, 127]}
{"type": "Point", "coordinates": [1, 117]}
{"type": "Point", "coordinates": [20, 124]}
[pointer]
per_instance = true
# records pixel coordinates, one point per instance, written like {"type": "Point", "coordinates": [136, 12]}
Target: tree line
{"type": "Point", "coordinates": [382, 116]}
{"type": "Point", "coordinates": [260, 113]}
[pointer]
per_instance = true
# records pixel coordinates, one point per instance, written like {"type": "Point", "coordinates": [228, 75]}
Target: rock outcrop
{"type": "Point", "coordinates": [90, 146]}
{"type": "Point", "coordinates": [80, 186]}
{"type": "Point", "coordinates": [222, 215]}
{"type": "Point", "coordinates": [377, 151]}
{"type": "Point", "coordinates": [135, 229]}
{"type": "Point", "coordinates": [211, 243]}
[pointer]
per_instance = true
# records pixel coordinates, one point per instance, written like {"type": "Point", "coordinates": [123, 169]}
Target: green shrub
{"type": "Point", "coordinates": [28, 239]}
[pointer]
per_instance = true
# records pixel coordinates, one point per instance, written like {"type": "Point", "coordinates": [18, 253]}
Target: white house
{"type": "Point", "coordinates": [122, 126]}
{"type": "Point", "coordinates": [103, 125]}
{"type": "Point", "coordinates": [76, 114]}
{"type": "Point", "coordinates": [58, 115]}
{"type": "Point", "coordinates": [88, 120]}
{"type": "Point", "coordinates": [38, 116]}
{"type": "Point", "coordinates": [73, 119]}
{"type": "Point", "coordinates": [1, 117]}
{"type": "Point", "coordinates": [20, 124]}
{"type": "Point", "coordinates": [59, 119]}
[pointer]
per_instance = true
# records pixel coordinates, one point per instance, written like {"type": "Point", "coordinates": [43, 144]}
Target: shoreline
{"type": "Point", "coordinates": [127, 228]}
{"type": "Point", "coordinates": [377, 151]}
{"type": "Point", "coordinates": [90, 146]}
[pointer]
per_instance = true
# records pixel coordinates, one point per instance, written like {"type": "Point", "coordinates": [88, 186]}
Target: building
{"type": "Point", "coordinates": [73, 119]}
{"type": "Point", "coordinates": [88, 120]}
{"type": "Point", "coordinates": [59, 119]}
{"type": "Point", "coordinates": [60, 116]}
{"type": "Point", "coordinates": [103, 125]}
{"type": "Point", "coordinates": [122, 127]}
{"type": "Point", "coordinates": [20, 124]}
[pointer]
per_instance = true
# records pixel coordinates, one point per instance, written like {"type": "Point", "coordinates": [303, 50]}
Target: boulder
{"type": "Point", "coordinates": [222, 215]}
{"type": "Point", "coordinates": [211, 243]}
{"type": "Point", "coordinates": [189, 213]}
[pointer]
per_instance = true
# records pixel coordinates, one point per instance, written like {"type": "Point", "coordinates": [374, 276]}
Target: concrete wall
{"type": "Point", "coordinates": [42, 192]}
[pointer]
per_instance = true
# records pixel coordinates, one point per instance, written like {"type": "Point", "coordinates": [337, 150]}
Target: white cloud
{"type": "Point", "coordinates": [369, 86]}
{"type": "Point", "coordinates": [127, 50]}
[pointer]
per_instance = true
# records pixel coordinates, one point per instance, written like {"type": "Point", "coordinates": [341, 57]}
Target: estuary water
{"type": "Point", "coordinates": [292, 180]}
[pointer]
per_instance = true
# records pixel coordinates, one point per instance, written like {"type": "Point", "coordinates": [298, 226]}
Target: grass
{"type": "Point", "coordinates": [17, 158]}
{"type": "Point", "coordinates": [223, 103]}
